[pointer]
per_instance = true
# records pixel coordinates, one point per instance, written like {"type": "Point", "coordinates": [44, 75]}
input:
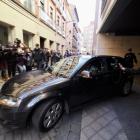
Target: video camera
{"type": "Point", "coordinates": [6, 49]}
{"type": "Point", "coordinates": [17, 40]}
{"type": "Point", "coordinates": [115, 65]}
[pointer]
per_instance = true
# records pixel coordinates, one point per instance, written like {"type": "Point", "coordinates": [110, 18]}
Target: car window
{"type": "Point", "coordinates": [123, 62]}
{"type": "Point", "coordinates": [95, 67]}
{"type": "Point", "coordinates": [113, 62]}
{"type": "Point", "coordinates": [64, 67]}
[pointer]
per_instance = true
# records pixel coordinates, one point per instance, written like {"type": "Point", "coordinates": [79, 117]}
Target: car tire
{"type": "Point", "coordinates": [126, 89]}
{"type": "Point", "coordinates": [47, 114]}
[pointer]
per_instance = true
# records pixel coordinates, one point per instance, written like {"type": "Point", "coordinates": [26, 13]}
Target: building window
{"type": "Point", "coordinates": [28, 39]}
{"type": "Point", "coordinates": [58, 20]}
{"type": "Point", "coordinates": [63, 6]}
{"type": "Point", "coordinates": [51, 12]}
{"type": "Point", "coordinates": [5, 35]}
{"type": "Point", "coordinates": [42, 4]}
{"type": "Point", "coordinates": [103, 5]}
{"type": "Point", "coordinates": [63, 26]}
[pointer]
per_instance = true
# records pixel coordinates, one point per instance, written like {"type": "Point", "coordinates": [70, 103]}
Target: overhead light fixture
{"type": "Point", "coordinates": [107, 33]}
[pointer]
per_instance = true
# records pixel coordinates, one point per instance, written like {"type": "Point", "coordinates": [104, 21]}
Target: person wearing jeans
{"type": "Point", "coordinates": [21, 63]}
{"type": "Point", "coordinates": [22, 69]}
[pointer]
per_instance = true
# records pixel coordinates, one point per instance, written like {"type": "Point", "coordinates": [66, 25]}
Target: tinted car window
{"type": "Point", "coordinates": [109, 62]}
{"type": "Point", "coordinates": [113, 63]}
{"type": "Point", "coordinates": [95, 67]}
{"type": "Point", "coordinates": [64, 67]}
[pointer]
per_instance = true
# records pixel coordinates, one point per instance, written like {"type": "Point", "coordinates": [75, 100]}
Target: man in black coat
{"type": "Point", "coordinates": [47, 53]}
{"type": "Point", "coordinates": [59, 56]}
{"type": "Point", "coordinates": [130, 70]}
{"type": "Point", "coordinates": [129, 57]}
{"type": "Point", "coordinates": [38, 56]}
{"type": "Point", "coordinates": [11, 60]}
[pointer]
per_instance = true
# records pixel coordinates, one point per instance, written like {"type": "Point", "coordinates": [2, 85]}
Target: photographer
{"type": "Point", "coordinates": [28, 62]}
{"type": "Point", "coordinates": [21, 59]}
{"type": "Point", "coordinates": [38, 56]}
{"type": "Point", "coordinates": [3, 64]}
{"type": "Point", "coordinates": [12, 59]}
{"type": "Point", "coordinates": [20, 44]}
{"type": "Point", "coordinates": [130, 70]}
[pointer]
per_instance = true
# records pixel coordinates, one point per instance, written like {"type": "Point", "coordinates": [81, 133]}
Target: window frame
{"type": "Point", "coordinates": [51, 12]}
{"type": "Point", "coordinates": [94, 59]}
{"type": "Point", "coordinates": [58, 20]}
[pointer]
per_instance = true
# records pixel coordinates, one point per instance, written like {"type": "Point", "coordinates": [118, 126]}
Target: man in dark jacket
{"type": "Point", "coordinates": [130, 70]}
{"type": "Point", "coordinates": [53, 57]}
{"type": "Point", "coordinates": [47, 53]}
{"type": "Point", "coordinates": [59, 56]}
{"type": "Point", "coordinates": [11, 60]}
{"type": "Point", "coordinates": [38, 56]}
{"type": "Point", "coordinates": [129, 57]}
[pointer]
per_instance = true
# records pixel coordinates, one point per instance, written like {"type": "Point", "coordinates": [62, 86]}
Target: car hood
{"type": "Point", "coordinates": [29, 81]}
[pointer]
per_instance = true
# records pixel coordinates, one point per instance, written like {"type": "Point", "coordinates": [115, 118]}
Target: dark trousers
{"type": "Point", "coordinates": [28, 68]}
{"type": "Point", "coordinates": [12, 69]}
{"type": "Point", "coordinates": [39, 64]}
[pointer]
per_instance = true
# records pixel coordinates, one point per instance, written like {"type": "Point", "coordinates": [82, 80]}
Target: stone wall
{"type": "Point", "coordinates": [117, 45]}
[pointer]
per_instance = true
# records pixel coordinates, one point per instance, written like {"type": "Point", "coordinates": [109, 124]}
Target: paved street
{"type": "Point", "coordinates": [116, 118]}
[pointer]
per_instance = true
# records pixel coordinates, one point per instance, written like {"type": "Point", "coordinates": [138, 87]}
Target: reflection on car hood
{"type": "Point", "coordinates": [26, 82]}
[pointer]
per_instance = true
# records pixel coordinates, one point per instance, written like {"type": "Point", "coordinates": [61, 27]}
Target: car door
{"type": "Point", "coordinates": [86, 89]}
{"type": "Point", "coordinates": [114, 74]}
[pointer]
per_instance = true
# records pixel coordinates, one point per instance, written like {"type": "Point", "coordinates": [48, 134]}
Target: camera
{"type": "Point", "coordinates": [17, 40]}
{"type": "Point", "coordinates": [115, 65]}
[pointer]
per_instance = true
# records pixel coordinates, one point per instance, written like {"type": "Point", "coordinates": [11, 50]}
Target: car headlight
{"type": "Point", "coordinates": [10, 101]}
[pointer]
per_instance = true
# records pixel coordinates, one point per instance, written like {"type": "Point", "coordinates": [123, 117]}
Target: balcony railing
{"type": "Point", "coordinates": [75, 25]}
{"type": "Point", "coordinates": [59, 7]}
{"type": "Point", "coordinates": [54, 1]}
{"type": "Point", "coordinates": [64, 14]}
{"type": "Point", "coordinates": [47, 19]}
{"type": "Point", "coordinates": [75, 35]}
{"type": "Point", "coordinates": [59, 30]}
{"type": "Point", "coordinates": [28, 4]}
{"type": "Point", "coordinates": [63, 33]}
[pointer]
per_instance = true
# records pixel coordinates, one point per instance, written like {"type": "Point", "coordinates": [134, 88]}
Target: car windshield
{"type": "Point", "coordinates": [64, 67]}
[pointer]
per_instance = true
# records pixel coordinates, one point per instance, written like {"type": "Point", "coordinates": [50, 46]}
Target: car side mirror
{"type": "Point", "coordinates": [85, 74]}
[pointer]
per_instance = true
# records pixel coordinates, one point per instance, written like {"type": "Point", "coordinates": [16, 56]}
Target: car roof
{"type": "Point", "coordinates": [90, 56]}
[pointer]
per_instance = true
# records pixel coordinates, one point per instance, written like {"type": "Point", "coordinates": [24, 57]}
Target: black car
{"type": "Point", "coordinates": [41, 96]}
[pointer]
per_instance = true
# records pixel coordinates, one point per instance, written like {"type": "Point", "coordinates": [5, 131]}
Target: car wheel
{"type": "Point", "coordinates": [126, 88]}
{"type": "Point", "coordinates": [47, 115]}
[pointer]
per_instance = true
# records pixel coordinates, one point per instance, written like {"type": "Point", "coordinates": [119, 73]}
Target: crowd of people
{"type": "Point", "coordinates": [19, 57]}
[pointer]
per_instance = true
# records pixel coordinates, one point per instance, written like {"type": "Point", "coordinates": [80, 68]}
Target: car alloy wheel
{"type": "Point", "coordinates": [52, 115]}
{"type": "Point", "coordinates": [127, 88]}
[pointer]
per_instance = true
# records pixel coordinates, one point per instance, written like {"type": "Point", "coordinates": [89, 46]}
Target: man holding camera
{"type": "Point", "coordinates": [12, 59]}
{"type": "Point", "coordinates": [38, 56]}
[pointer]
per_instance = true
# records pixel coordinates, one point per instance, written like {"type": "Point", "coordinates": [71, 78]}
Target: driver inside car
{"type": "Point", "coordinates": [92, 69]}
